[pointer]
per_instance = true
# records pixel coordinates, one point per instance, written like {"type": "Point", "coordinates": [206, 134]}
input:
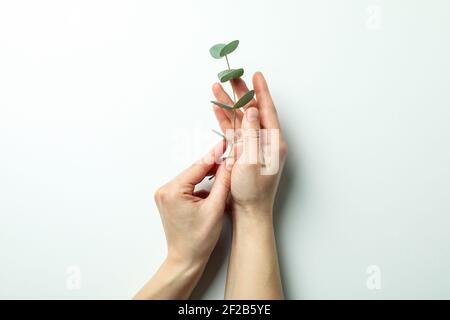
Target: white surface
{"type": "Point", "coordinates": [103, 101]}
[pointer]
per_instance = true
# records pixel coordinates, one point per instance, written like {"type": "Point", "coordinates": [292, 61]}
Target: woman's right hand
{"type": "Point", "coordinates": [253, 271]}
{"type": "Point", "coordinates": [254, 179]}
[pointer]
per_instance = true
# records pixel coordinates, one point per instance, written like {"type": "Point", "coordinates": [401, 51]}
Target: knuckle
{"type": "Point", "coordinates": [161, 194]}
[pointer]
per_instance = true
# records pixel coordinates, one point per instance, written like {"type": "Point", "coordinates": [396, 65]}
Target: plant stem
{"type": "Point", "coordinates": [228, 63]}
{"type": "Point", "coordinates": [234, 93]}
{"type": "Point", "coordinates": [234, 101]}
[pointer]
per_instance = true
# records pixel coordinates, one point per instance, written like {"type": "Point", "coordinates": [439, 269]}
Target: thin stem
{"type": "Point", "coordinates": [234, 128]}
{"type": "Point", "coordinates": [234, 101]}
{"type": "Point", "coordinates": [228, 63]}
{"type": "Point", "coordinates": [234, 93]}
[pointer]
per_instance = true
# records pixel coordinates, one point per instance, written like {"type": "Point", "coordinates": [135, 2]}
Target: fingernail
{"type": "Point", "coordinates": [252, 114]}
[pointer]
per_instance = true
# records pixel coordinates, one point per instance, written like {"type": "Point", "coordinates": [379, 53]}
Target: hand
{"type": "Point", "coordinates": [193, 220]}
{"type": "Point", "coordinates": [253, 270]}
{"type": "Point", "coordinates": [252, 191]}
{"type": "Point", "coordinates": [192, 223]}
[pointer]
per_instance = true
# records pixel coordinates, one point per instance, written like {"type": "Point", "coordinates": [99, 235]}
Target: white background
{"type": "Point", "coordinates": [101, 102]}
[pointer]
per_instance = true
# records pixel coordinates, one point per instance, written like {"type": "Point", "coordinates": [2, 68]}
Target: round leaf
{"type": "Point", "coordinates": [228, 75]}
{"type": "Point", "coordinates": [216, 49]}
{"type": "Point", "coordinates": [222, 105]}
{"type": "Point", "coordinates": [246, 98]}
{"type": "Point", "coordinates": [229, 48]}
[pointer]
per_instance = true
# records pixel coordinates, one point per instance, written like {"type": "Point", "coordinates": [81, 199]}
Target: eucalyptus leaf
{"type": "Point", "coordinates": [246, 98]}
{"type": "Point", "coordinates": [219, 134]}
{"type": "Point", "coordinates": [216, 50]}
{"type": "Point", "coordinates": [229, 48]}
{"type": "Point", "coordinates": [222, 105]}
{"type": "Point", "coordinates": [228, 75]}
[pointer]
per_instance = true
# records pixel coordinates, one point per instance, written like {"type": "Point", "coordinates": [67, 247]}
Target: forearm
{"type": "Point", "coordinates": [173, 280]}
{"type": "Point", "coordinates": [253, 271]}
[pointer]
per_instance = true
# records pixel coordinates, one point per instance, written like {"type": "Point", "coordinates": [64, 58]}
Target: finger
{"type": "Point", "coordinates": [200, 169]}
{"type": "Point", "coordinates": [268, 113]}
{"type": "Point", "coordinates": [250, 136]}
{"type": "Point", "coordinates": [238, 147]}
{"type": "Point", "coordinates": [221, 186]}
{"type": "Point", "coordinates": [228, 205]}
{"type": "Point", "coordinates": [240, 87]}
{"type": "Point", "coordinates": [213, 170]}
{"type": "Point", "coordinates": [223, 97]}
{"type": "Point", "coordinates": [222, 118]}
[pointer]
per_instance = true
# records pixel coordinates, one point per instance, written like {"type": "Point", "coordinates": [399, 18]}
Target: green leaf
{"type": "Point", "coordinates": [216, 49]}
{"type": "Point", "coordinates": [229, 48]}
{"type": "Point", "coordinates": [219, 134]}
{"type": "Point", "coordinates": [228, 75]}
{"type": "Point", "coordinates": [246, 98]}
{"type": "Point", "coordinates": [222, 105]}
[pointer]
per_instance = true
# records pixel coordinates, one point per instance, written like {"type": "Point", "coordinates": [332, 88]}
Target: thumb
{"type": "Point", "coordinates": [222, 183]}
{"type": "Point", "coordinates": [250, 134]}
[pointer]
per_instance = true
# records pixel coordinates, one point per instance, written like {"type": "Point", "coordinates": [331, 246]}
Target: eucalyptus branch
{"type": "Point", "coordinates": [234, 101]}
{"type": "Point", "coordinates": [219, 51]}
{"type": "Point", "coordinates": [232, 88]}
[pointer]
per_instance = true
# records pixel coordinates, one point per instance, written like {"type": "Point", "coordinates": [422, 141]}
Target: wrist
{"type": "Point", "coordinates": [251, 230]}
{"type": "Point", "coordinates": [252, 213]}
{"type": "Point", "coordinates": [250, 218]}
{"type": "Point", "coordinates": [183, 271]}
{"type": "Point", "coordinates": [183, 264]}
